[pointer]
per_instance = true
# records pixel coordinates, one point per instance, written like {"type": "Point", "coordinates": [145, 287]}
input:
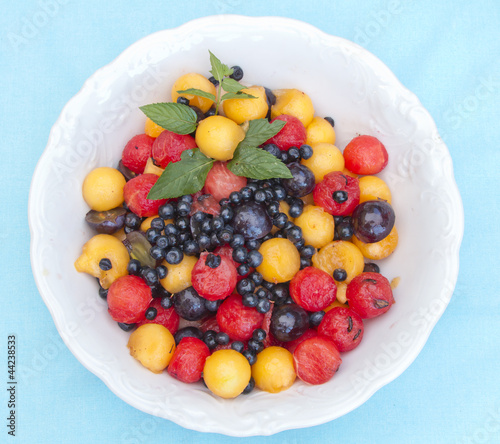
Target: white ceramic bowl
{"type": "Point", "coordinates": [344, 81]}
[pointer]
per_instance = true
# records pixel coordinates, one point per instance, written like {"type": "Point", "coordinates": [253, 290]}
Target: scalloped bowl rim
{"type": "Point", "coordinates": [183, 417]}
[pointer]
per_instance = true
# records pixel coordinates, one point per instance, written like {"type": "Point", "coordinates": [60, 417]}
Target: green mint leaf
{"type": "Point", "coordinates": [186, 176]}
{"type": "Point", "coordinates": [198, 92]}
{"type": "Point", "coordinates": [219, 70]}
{"type": "Point", "coordinates": [179, 119]}
{"type": "Point", "coordinates": [231, 85]}
{"type": "Point", "coordinates": [238, 95]}
{"type": "Point", "coordinates": [256, 163]}
{"type": "Point", "coordinates": [260, 131]}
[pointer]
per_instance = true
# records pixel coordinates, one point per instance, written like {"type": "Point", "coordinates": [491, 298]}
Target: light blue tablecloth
{"type": "Point", "coordinates": [447, 52]}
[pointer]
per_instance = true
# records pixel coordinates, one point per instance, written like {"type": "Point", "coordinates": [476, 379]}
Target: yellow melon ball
{"type": "Point", "coordinates": [196, 81]}
{"type": "Point", "coordinates": [103, 246]}
{"type": "Point", "coordinates": [226, 373]}
{"type": "Point", "coordinates": [152, 129]}
{"type": "Point", "coordinates": [318, 226]}
{"type": "Point", "coordinates": [273, 371]}
{"type": "Point", "coordinates": [373, 188]}
{"type": "Point", "coordinates": [241, 110]}
{"type": "Point", "coordinates": [340, 254]}
{"type": "Point", "coordinates": [325, 159]}
{"type": "Point", "coordinates": [378, 250]}
{"type": "Point", "coordinates": [295, 103]}
{"type": "Point", "coordinates": [179, 275]}
{"type": "Point", "coordinates": [280, 260]}
{"type": "Point", "coordinates": [320, 131]}
{"type": "Point", "coordinates": [103, 188]}
{"type": "Point", "coordinates": [217, 137]}
{"type": "Point", "coordinates": [153, 346]}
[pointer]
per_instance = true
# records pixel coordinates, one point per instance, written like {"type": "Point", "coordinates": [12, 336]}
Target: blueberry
{"type": "Point", "coordinates": [284, 157]}
{"type": "Point", "coordinates": [238, 346]}
{"type": "Point", "coordinates": [307, 251]}
{"type": "Point", "coordinates": [273, 149]}
{"type": "Point", "coordinates": [305, 262]}
{"type": "Point", "coordinates": [203, 241]}
{"type": "Point", "coordinates": [306, 152]}
{"type": "Point", "coordinates": [132, 220]}
{"type": "Point", "coordinates": [263, 305]}
{"type": "Point", "coordinates": [330, 121]}
{"type": "Point", "coordinates": [259, 334]}
{"type": "Point", "coordinates": [245, 286]}
{"type": "Point", "coordinates": [316, 318]}
{"type": "Point", "coordinates": [246, 193]}
{"type": "Point", "coordinates": [238, 241]}
{"type": "Point", "coordinates": [235, 197]}
{"type": "Point", "coordinates": [156, 252]}
{"type": "Point", "coordinates": [158, 223]}
{"type": "Point", "coordinates": [150, 275]}
{"type": "Point", "coordinates": [217, 223]}
{"type": "Point", "coordinates": [294, 154]}
{"type": "Point", "coordinates": [250, 386]}
{"type": "Point", "coordinates": [339, 274]}
{"type": "Point", "coordinates": [191, 248]}
{"type": "Point", "coordinates": [256, 277]}
{"type": "Point", "coordinates": [260, 196]}
{"type": "Point", "coordinates": [237, 73]}
{"type": "Point", "coordinates": [209, 339]}
{"type": "Point", "coordinates": [294, 233]}
{"type": "Point", "coordinates": [249, 300]}
{"type": "Point", "coordinates": [105, 264]}
{"type": "Point", "coordinates": [151, 313]}
{"type": "Point", "coordinates": [222, 338]}
{"type": "Point", "coordinates": [162, 271]}
{"type": "Point", "coordinates": [254, 258]}
{"type": "Point", "coordinates": [134, 267]}
{"type": "Point", "coordinates": [253, 244]}
{"type": "Point", "coordinates": [273, 208]}
{"type": "Point", "coordinates": [103, 293]}
{"type": "Point", "coordinates": [166, 211]}
{"type": "Point", "coordinates": [213, 80]}
{"type": "Point", "coordinates": [296, 208]}
{"type": "Point", "coordinates": [252, 358]}
{"type": "Point", "coordinates": [279, 192]}
{"type": "Point", "coordinates": [212, 305]}
{"type": "Point", "coordinates": [213, 260]}
{"type": "Point", "coordinates": [255, 346]}
{"type": "Point", "coordinates": [166, 302]}
{"type": "Point", "coordinates": [339, 196]}
{"type": "Point", "coordinates": [227, 214]}
{"type": "Point", "coordinates": [280, 220]}
{"type": "Point", "coordinates": [126, 327]}
{"type": "Point", "coordinates": [171, 229]}
{"type": "Point", "coordinates": [174, 256]}
{"type": "Point", "coordinates": [183, 100]}
{"type": "Point", "coordinates": [240, 254]}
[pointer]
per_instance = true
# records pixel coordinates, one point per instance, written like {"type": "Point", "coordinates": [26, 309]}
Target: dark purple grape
{"type": "Point", "coordinates": [189, 304]}
{"type": "Point", "coordinates": [289, 322]}
{"type": "Point", "coordinates": [127, 173]}
{"type": "Point", "coordinates": [251, 220]}
{"type": "Point", "coordinates": [106, 222]}
{"type": "Point", "coordinates": [373, 220]}
{"type": "Point", "coordinates": [302, 182]}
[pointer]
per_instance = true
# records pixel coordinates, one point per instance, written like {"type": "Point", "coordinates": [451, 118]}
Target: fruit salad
{"type": "Point", "coordinates": [236, 242]}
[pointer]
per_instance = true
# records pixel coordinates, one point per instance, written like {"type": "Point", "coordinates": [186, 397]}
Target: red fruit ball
{"type": "Point", "coordinates": [236, 320]}
{"type": "Point", "coordinates": [292, 345]}
{"type": "Point", "coordinates": [169, 146]}
{"type": "Point", "coordinates": [292, 134]}
{"type": "Point", "coordinates": [316, 360]}
{"type": "Point", "coordinates": [167, 317]}
{"type": "Point", "coordinates": [205, 203]}
{"type": "Point", "coordinates": [365, 155]}
{"type": "Point", "coordinates": [313, 289]}
{"type": "Point", "coordinates": [369, 295]}
{"type": "Point", "coordinates": [135, 193]}
{"type": "Point", "coordinates": [337, 193]}
{"type": "Point", "coordinates": [188, 360]}
{"type": "Point", "coordinates": [136, 153]}
{"type": "Point", "coordinates": [343, 326]}
{"type": "Point", "coordinates": [221, 182]}
{"type": "Point", "coordinates": [128, 299]}
{"type": "Point", "coordinates": [214, 283]}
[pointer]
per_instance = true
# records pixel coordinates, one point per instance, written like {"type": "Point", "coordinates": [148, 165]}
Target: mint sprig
{"type": "Point", "coordinates": [255, 163]}
{"type": "Point", "coordinates": [186, 176]}
{"type": "Point", "coordinates": [175, 117]}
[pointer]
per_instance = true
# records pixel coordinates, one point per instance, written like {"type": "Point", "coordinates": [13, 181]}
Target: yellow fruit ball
{"type": "Point", "coordinates": [280, 260]}
{"type": "Point", "coordinates": [217, 137]}
{"type": "Point", "coordinates": [226, 373]}
{"type": "Point", "coordinates": [295, 103]}
{"type": "Point", "coordinates": [378, 250]}
{"type": "Point", "coordinates": [273, 371]}
{"type": "Point", "coordinates": [153, 346]}
{"type": "Point", "coordinates": [103, 246]}
{"type": "Point", "coordinates": [325, 159]}
{"type": "Point", "coordinates": [320, 131]}
{"type": "Point", "coordinates": [179, 275]}
{"type": "Point", "coordinates": [152, 129]}
{"type": "Point", "coordinates": [241, 110]}
{"type": "Point", "coordinates": [196, 81]}
{"type": "Point", "coordinates": [318, 226]}
{"type": "Point", "coordinates": [151, 168]}
{"type": "Point", "coordinates": [336, 303]}
{"type": "Point", "coordinates": [373, 188]}
{"type": "Point", "coordinates": [340, 254]}
{"type": "Point", "coordinates": [103, 188]}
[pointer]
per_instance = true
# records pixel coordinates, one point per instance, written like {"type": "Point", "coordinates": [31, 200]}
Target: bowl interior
{"type": "Point", "coordinates": [345, 82]}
